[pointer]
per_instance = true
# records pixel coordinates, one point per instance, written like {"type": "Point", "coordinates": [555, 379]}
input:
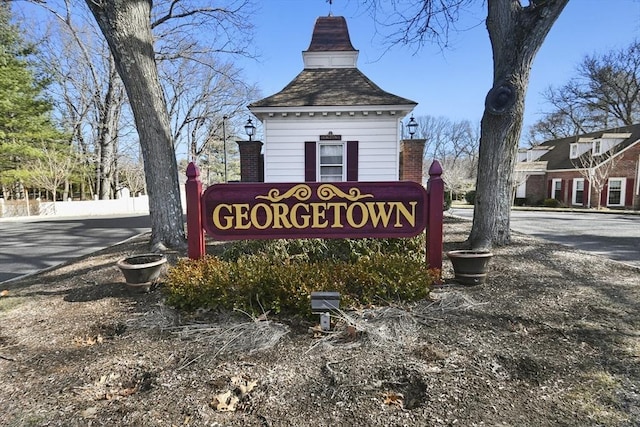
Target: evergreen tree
{"type": "Point", "coordinates": [25, 116]}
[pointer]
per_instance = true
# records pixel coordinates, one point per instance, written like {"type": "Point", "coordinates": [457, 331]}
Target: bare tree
{"type": "Point", "coordinates": [611, 84]}
{"type": "Point", "coordinates": [458, 174]}
{"type": "Point", "coordinates": [51, 168]}
{"type": "Point", "coordinates": [132, 175]}
{"type": "Point", "coordinates": [436, 132]}
{"type": "Point", "coordinates": [108, 133]}
{"type": "Point", "coordinates": [596, 170]}
{"type": "Point", "coordinates": [127, 26]}
{"type": "Point", "coordinates": [455, 145]}
{"type": "Point", "coordinates": [127, 29]}
{"type": "Point", "coordinates": [89, 94]}
{"type": "Point", "coordinates": [516, 33]}
{"type": "Point", "coordinates": [201, 87]}
{"type": "Point", "coordinates": [178, 27]}
{"type": "Point", "coordinates": [554, 126]}
{"type": "Point", "coordinates": [604, 93]}
{"type": "Point", "coordinates": [445, 138]}
{"type": "Point", "coordinates": [201, 100]}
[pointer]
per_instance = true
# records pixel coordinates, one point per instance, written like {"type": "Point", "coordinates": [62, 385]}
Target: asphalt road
{"type": "Point", "coordinates": [30, 245]}
{"type": "Point", "coordinates": [615, 236]}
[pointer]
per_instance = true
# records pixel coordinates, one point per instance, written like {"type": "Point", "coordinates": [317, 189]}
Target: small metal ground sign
{"type": "Point", "coordinates": [308, 210]}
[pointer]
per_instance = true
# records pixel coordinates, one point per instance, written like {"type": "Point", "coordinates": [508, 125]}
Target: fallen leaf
{"type": "Point", "coordinates": [4, 293]}
{"type": "Point", "coordinates": [225, 402]}
{"type": "Point", "coordinates": [263, 317]}
{"type": "Point", "coordinates": [394, 399]}
{"type": "Point", "coordinates": [316, 331]}
{"type": "Point", "coordinates": [128, 391]}
{"type": "Point", "coordinates": [352, 332]}
{"type": "Point", "coordinates": [243, 385]}
{"type": "Point", "coordinates": [106, 379]}
{"type": "Point", "coordinates": [89, 412]}
{"type": "Point", "coordinates": [88, 341]}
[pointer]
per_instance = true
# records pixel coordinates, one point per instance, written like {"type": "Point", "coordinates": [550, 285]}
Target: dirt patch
{"type": "Point", "coordinates": [552, 338]}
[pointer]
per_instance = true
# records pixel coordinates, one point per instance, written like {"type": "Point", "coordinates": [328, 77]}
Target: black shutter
{"type": "Point", "coordinates": [310, 161]}
{"type": "Point", "coordinates": [352, 160]}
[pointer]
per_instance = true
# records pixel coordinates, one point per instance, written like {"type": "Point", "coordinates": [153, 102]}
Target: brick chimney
{"type": "Point", "coordinates": [251, 161]}
{"type": "Point", "coordinates": [411, 151]}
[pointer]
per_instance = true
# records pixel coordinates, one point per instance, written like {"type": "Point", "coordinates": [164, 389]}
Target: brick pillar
{"type": "Point", "coordinates": [251, 163]}
{"type": "Point", "coordinates": [411, 152]}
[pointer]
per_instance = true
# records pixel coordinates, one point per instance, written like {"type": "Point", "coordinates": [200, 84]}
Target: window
{"type": "Point", "coordinates": [331, 162]}
{"type": "Point", "coordinates": [615, 196]}
{"type": "Point", "coordinates": [573, 151]}
{"type": "Point", "coordinates": [556, 189]}
{"type": "Point", "coordinates": [578, 191]}
{"type": "Point", "coordinates": [521, 190]}
{"type": "Point", "coordinates": [597, 147]}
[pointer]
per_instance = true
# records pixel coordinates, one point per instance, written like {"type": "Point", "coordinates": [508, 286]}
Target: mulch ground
{"type": "Point", "coordinates": [551, 339]}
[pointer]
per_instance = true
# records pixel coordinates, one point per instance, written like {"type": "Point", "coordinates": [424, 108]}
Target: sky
{"type": "Point", "coordinates": [449, 83]}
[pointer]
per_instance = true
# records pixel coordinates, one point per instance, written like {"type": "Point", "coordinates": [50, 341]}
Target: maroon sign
{"type": "Point", "coordinates": [329, 210]}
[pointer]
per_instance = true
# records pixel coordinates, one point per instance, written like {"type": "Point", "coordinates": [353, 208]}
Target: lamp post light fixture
{"type": "Point", "coordinates": [412, 126]}
{"type": "Point", "coordinates": [250, 129]}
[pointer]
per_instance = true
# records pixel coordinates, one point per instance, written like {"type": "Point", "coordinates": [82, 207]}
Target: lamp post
{"type": "Point", "coordinates": [250, 129]}
{"type": "Point", "coordinates": [412, 126]}
{"type": "Point", "coordinates": [224, 144]}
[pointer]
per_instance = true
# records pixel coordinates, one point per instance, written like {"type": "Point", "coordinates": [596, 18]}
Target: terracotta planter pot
{"type": "Point", "coordinates": [142, 270]}
{"type": "Point", "coordinates": [470, 267]}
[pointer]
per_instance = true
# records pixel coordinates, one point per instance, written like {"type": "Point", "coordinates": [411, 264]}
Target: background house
{"type": "Point", "coordinates": [331, 122]}
{"type": "Point", "coordinates": [598, 169]}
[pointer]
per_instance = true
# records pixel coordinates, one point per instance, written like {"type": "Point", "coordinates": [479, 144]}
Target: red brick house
{"type": "Point", "coordinates": [331, 122]}
{"type": "Point", "coordinates": [570, 170]}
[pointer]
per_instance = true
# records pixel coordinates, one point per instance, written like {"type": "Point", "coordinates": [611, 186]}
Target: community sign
{"type": "Point", "coordinates": [240, 211]}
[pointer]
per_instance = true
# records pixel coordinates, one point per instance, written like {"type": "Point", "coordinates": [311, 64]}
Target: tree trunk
{"type": "Point", "coordinates": [127, 29]}
{"type": "Point", "coordinates": [67, 189]}
{"type": "Point", "coordinates": [108, 133]}
{"type": "Point", "coordinates": [107, 154]}
{"type": "Point", "coordinates": [516, 34]}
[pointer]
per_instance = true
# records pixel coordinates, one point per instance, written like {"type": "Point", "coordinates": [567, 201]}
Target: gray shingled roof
{"type": "Point", "coordinates": [331, 87]}
{"type": "Point", "coordinates": [558, 157]}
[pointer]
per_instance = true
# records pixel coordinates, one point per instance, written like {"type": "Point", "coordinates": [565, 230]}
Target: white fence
{"type": "Point", "coordinates": [122, 206]}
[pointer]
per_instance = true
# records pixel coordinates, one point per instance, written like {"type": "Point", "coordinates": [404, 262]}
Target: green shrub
{"type": "Point", "coordinates": [315, 250]}
{"type": "Point", "coordinates": [551, 203]}
{"type": "Point", "coordinates": [280, 275]}
{"type": "Point", "coordinates": [447, 201]}
{"type": "Point", "coordinates": [470, 197]}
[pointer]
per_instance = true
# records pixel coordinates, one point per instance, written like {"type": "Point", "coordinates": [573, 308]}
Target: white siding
{"type": "Point", "coordinates": [377, 151]}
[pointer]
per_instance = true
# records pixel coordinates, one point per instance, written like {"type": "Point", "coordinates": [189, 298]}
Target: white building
{"type": "Point", "coordinates": [331, 123]}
